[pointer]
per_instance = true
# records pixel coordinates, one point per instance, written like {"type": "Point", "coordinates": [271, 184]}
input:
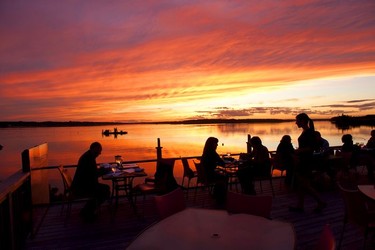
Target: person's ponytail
{"type": "Point", "coordinates": [311, 124]}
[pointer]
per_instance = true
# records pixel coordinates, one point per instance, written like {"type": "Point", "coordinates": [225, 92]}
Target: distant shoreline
{"type": "Point", "coordinates": [342, 120]}
{"type": "Point", "coordinates": [22, 124]}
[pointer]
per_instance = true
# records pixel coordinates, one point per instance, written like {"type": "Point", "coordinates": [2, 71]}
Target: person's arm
{"type": "Point", "coordinates": [219, 160]}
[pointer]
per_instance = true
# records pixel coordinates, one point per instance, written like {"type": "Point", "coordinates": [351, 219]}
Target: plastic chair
{"type": "Point", "coordinates": [326, 240]}
{"type": "Point", "coordinates": [249, 204]}
{"type": "Point", "coordinates": [356, 212]}
{"type": "Point", "coordinates": [188, 173]}
{"type": "Point", "coordinates": [170, 203]}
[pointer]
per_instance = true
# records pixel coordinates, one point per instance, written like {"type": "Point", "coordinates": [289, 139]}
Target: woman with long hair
{"type": "Point", "coordinates": [304, 159]}
{"type": "Point", "coordinates": [210, 160]}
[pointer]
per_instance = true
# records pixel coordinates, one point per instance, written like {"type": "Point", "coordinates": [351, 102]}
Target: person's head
{"type": "Point", "coordinates": [255, 141]}
{"type": "Point", "coordinates": [286, 139]}
{"type": "Point", "coordinates": [318, 136]}
{"type": "Point", "coordinates": [304, 121]}
{"type": "Point", "coordinates": [347, 138]}
{"type": "Point", "coordinates": [96, 148]}
{"type": "Point", "coordinates": [211, 144]}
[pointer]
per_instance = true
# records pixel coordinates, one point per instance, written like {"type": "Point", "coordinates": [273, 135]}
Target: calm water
{"type": "Point", "coordinates": [66, 144]}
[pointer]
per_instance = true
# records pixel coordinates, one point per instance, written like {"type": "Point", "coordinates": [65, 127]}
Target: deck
{"type": "Point", "coordinates": [116, 232]}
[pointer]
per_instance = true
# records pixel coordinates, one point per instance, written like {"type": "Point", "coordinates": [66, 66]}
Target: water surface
{"type": "Point", "coordinates": [66, 144]}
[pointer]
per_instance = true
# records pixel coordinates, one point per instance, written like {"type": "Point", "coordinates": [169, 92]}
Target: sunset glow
{"type": "Point", "coordinates": [175, 60]}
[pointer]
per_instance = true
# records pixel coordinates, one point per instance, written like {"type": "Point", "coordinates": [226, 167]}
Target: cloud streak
{"type": "Point", "coordinates": [81, 60]}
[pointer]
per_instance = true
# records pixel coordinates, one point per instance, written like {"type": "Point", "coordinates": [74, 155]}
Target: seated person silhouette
{"type": "Point", "coordinates": [86, 185]}
{"type": "Point", "coordinates": [259, 165]}
{"type": "Point", "coordinates": [210, 160]}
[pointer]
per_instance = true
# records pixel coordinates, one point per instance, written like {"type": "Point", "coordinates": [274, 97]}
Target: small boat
{"type": "Point", "coordinates": [115, 132]}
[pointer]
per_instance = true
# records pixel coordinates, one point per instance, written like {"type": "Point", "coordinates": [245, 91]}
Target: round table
{"type": "Point", "coordinates": [367, 190]}
{"type": "Point", "coordinates": [216, 229]}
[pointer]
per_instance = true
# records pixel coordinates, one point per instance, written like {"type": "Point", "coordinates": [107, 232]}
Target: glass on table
{"type": "Point", "coordinates": [118, 160]}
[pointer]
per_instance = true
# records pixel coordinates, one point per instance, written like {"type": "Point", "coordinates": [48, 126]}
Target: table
{"type": "Point", "coordinates": [122, 180]}
{"type": "Point", "coordinates": [230, 170]}
{"type": "Point", "coordinates": [367, 190]}
{"type": "Point", "coordinates": [195, 228]}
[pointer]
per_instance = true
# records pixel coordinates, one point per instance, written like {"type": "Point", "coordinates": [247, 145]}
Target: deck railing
{"type": "Point", "coordinates": [15, 210]}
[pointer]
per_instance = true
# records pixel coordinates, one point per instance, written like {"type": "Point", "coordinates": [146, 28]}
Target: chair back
{"type": "Point", "coordinates": [170, 203]}
{"type": "Point", "coordinates": [164, 177]}
{"type": "Point", "coordinates": [67, 179]}
{"type": "Point", "coordinates": [277, 162]}
{"type": "Point", "coordinates": [249, 204]}
{"type": "Point", "coordinates": [202, 179]}
{"type": "Point", "coordinates": [188, 172]}
{"type": "Point", "coordinates": [326, 240]}
{"type": "Point", "coordinates": [355, 207]}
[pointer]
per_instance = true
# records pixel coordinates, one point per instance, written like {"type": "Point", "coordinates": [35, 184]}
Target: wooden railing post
{"type": "Point", "coordinates": [159, 151]}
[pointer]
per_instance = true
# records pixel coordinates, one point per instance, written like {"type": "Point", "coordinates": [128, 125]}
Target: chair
{"type": "Point", "coordinates": [188, 173]}
{"type": "Point", "coordinates": [67, 194]}
{"type": "Point", "coordinates": [249, 204]}
{"type": "Point", "coordinates": [356, 212]}
{"type": "Point", "coordinates": [202, 180]}
{"type": "Point", "coordinates": [170, 203]}
{"type": "Point", "coordinates": [164, 180]}
{"type": "Point", "coordinates": [326, 239]}
{"type": "Point", "coordinates": [268, 177]}
{"type": "Point", "coordinates": [276, 164]}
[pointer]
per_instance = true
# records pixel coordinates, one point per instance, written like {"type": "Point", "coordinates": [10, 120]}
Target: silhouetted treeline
{"type": "Point", "coordinates": [21, 124]}
{"type": "Point", "coordinates": [342, 122]}
{"type": "Point", "coordinates": [6, 124]}
{"type": "Point", "coordinates": [346, 122]}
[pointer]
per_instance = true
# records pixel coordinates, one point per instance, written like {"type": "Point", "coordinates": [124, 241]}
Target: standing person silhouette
{"type": "Point", "coordinates": [303, 171]}
{"type": "Point", "coordinates": [85, 182]}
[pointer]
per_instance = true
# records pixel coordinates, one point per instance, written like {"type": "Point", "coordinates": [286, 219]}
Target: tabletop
{"type": "Point", "coordinates": [195, 228]}
{"type": "Point", "coordinates": [368, 190]}
{"type": "Point", "coordinates": [127, 171]}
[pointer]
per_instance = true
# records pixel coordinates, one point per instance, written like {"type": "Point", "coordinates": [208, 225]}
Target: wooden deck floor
{"type": "Point", "coordinates": [118, 231]}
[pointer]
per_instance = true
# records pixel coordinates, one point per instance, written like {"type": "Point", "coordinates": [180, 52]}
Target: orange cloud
{"type": "Point", "coordinates": [156, 60]}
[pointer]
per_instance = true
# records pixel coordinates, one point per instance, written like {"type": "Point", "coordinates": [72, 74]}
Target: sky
{"type": "Point", "coordinates": [164, 60]}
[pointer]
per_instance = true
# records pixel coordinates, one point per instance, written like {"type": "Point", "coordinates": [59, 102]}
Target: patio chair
{"type": "Point", "coordinates": [202, 180]}
{"type": "Point", "coordinates": [170, 203]}
{"type": "Point", "coordinates": [326, 239]}
{"type": "Point", "coordinates": [188, 173]}
{"type": "Point", "coordinates": [277, 164]}
{"type": "Point", "coordinates": [265, 177]}
{"type": "Point", "coordinates": [249, 204]}
{"type": "Point", "coordinates": [163, 183]}
{"type": "Point", "coordinates": [68, 195]}
{"type": "Point", "coordinates": [356, 213]}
